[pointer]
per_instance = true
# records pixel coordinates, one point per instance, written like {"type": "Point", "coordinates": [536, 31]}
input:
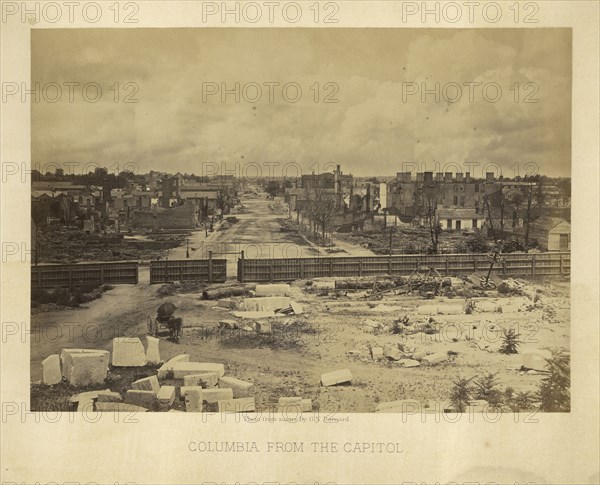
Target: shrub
{"type": "Point", "coordinates": [486, 388]}
{"type": "Point", "coordinates": [510, 342]}
{"type": "Point", "coordinates": [460, 394]}
{"type": "Point", "coordinates": [555, 389]}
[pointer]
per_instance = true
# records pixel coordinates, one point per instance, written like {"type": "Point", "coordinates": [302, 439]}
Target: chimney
{"type": "Point", "coordinates": [459, 177]}
{"type": "Point", "coordinates": [428, 177]}
{"type": "Point", "coordinates": [448, 177]}
{"type": "Point", "coordinates": [489, 176]}
{"type": "Point", "coordinates": [419, 177]}
{"type": "Point", "coordinates": [468, 177]}
{"type": "Point", "coordinates": [439, 177]}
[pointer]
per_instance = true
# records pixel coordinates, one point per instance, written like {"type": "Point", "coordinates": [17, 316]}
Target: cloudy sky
{"type": "Point", "coordinates": [377, 127]}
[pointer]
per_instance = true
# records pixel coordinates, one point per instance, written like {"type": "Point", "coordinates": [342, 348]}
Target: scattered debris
{"type": "Point", "coordinates": [334, 378]}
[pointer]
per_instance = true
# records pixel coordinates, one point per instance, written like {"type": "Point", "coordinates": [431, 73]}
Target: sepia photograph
{"type": "Point", "coordinates": [302, 221]}
{"type": "Point", "coordinates": [304, 242]}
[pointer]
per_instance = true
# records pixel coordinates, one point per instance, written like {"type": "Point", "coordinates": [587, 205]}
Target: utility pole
{"type": "Point", "coordinates": [187, 248]}
{"type": "Point", "coordinates": [391, 235]}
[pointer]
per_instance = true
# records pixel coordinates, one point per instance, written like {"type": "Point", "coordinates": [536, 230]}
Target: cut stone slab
{"type": "Point", "coordinates": [146, 399]}
{"type": "Point", "coordinates": [273, 290]}
{"type": "Point", "coordinates": [297, 308]}
{"type": "Point", "coordinates": [85, 406]}
{"type": "Point", "coordinates": [119, 407]}
{"type": "Point", "coordinates": [294, 403]}
{"type": "Point", "coordinates": [241, 405]}
{"type": "Point", "coordinates": [67, 354]}
{"type": "Point", "coordinates": [434, 358]}
{"type": "Point", "coordinates": [86, 396]}
{"type": "Point", "coordinates": [109, 396]}
{"type": "Point", "coordinates": [51, 373]}
{"type": "Point", "coordinates": [166, 397]}
{"type": "Point", "coordinates": [147, 384]}
{"type": "Point", "coordinates": [88, 369]}
{"type": "Point", "coordinates": [193, 401]}
{"type": "Point", "coordinates": [213, 395]}
{"type": "Point", "coordinates": [254, 315]}
{"type": "Point", "coordinates": [392, 353]}
{"type": "Point", "coordinates": [182, 369]}
{"type": "Point", "coordinates": [377, 353]}
{"type": "Point", "coordinates": [234, 383]}
{"type": "Point", "coordinates": [336, 377]}
{"type": "Point", "coordinates": [409, 363]}
{"type": "Point", "coordinates": [445, 309]}
{"type": "Point", "coordinates": [128, 352]}
{"type": "Point", "coordinates": [152, 350]}
{"type": "Point", "coordinates": [206, 379]}
{"type": "Point", "coordinates": [266, 303]}
{"type": "Point", "coordinates": [483, 306]}
{"type": "Point", "coordinates": [402, 406]}
{"type": "Point", "coordinates": [183, 390]}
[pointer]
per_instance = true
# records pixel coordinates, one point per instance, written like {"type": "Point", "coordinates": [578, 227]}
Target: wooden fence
{"type": "Point", "coordinates": [533, 264]}
{"type": "Point", "coordinates": [48, 276]}
{"type": "Point", "coordinates": [205, 270]}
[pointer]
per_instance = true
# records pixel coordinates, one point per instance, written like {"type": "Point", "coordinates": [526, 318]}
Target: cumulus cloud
{"type": "Point", "coordinates": [372, 129]}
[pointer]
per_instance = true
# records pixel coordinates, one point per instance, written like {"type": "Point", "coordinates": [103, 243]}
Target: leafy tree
{"type": "Point", "coordinates": [461, 392]}
{"type": "Point", "coordinates": [486, 388]}
{"type": "Point", "coordinates": [510, 342]}
{"type": "Point", "coordinates": [272, 188]}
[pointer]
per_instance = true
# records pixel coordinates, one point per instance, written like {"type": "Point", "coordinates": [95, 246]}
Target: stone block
{"type": "Point", "coordinates": [166, 397]}
{"type": "Point", "coordinates": [128, 352]}
{"type": "Point", "coordinates": [447, 309]}
{"type": "Point", "coordinates": [267, 303]}
{"type": "Point", "coordinates": [392, 353]}
{"type": "Point", "coordinates": [183, 390]}
{"type": "Point", "coordinates": [182, 369]}
{"type": "Point", "coordinates": [342, 376]}
{"type": "Point", "coordinates": [216, 395]}
{"type": "Point", "coordinates": [85, 406]}
{"type": "Point", "coordinates": [109, 396]}
{"type": "Point", "coordinates": [147, 384]}
{"type": "Point", "coordinates": [273, 290]}
{"type": "Point", "coordinates": [145, 399]}
{"type": "Point", "coordinates": [294, 403]}
{"type": "Point", "coordinates": [193, 401]}
{"type": "Point", "coordinates": [66, 356]}
{"type": "Point", "coordinates": [118, 407]}
{"type": "Point", "coordinates": [427, 309]}
{"type": "Point", "coordinates": [241, 405]}
{"type": "Point", "coordinates": [86, 396]}
{"type": "Point", "coordinates": [51, 373]}
{"type": "Point", "coordinates": [152, 350]}
{"type": "Point", "coordinates": [377, 353]}
{"type": "Point", "coordinates": [409, 363]}
{"type": "Point", "coordinates": [206, 379]}
{"type": "Point", "coordinates": [88, 369]}
{"type": "Point", "coordinates": [434, 358]}
{"type": "Point", "coordinates": [297, 308]}
{"type": "Point", "coordinates": [255, 315]}
{"type": "Point", "coordinates": [234, 383]}
{"type": "Point", "coordinates": [227, 303]}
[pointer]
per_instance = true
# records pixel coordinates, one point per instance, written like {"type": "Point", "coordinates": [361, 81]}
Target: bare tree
{"type": "Point", "coordinates": [431, 217]}
{"type": "Point", "coordinates": [534, 198]}
{"type": "Point", "coordinates": [323, 210]}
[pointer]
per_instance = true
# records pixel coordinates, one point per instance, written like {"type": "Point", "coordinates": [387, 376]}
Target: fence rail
{"type": "Point", "coordinates": [49, 276]}
{"type": "Point", "coordinates": [205, 270]}
{"type": "Point", "coordinates": [258, 270]}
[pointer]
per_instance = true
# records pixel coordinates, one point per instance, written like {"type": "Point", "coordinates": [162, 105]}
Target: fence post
{"type": "Point", "coordinates": [390, 265]}
{"type": "Point", "coordinates": [241, 268]}
{"type": "Point", "coordinates": [447, 268]}
{"type": "Point", "coordinates": [210, 267]}
{"type": "Point", "coordinates": [331, 268]}
{"type": "Point", "coordinates": [40, 277]}
{"type": "Point", "coordinates": [359, 268]}
{"type": "Point", "coordinates": [562, 270]}
{"type": "Point", "coordinates": [101, 275]}
{"type": "Point", "coordinates": [70, 278]}
{"type": "Point", "coordinates": [301, 269]}
{"type": "Point", "coordinates": [137, 273]}
{"type": "Point", "coordinates": [475, 262]}
{"type": "Point", "coordinates": [270, 270]}
{"type": "Point", "coordinates": [533, 264]}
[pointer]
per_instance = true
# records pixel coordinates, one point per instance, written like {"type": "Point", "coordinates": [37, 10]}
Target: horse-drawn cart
{"type": "Point", "coordinates": [165, 319]}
